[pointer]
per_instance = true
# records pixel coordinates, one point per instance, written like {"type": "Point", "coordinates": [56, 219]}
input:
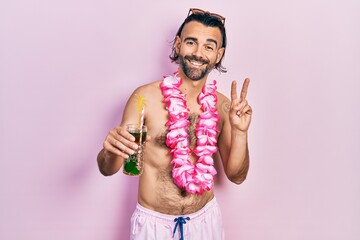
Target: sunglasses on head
{"type": "Point", "coordinates": [202, 12]}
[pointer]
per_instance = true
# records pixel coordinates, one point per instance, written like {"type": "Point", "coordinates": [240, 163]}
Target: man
{"type": "Point", "coordinates": [187, 122]}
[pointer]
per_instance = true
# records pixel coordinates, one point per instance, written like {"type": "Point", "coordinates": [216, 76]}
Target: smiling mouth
{"type": "Point", "coordinates": [196, 63]}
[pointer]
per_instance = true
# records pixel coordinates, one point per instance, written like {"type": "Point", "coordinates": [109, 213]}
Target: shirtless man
{"type": "Point", "coordinates": [185, 208]}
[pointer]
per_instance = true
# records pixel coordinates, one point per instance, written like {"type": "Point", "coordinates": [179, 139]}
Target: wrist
{"type": "Point", "coordinates": [239, 133]}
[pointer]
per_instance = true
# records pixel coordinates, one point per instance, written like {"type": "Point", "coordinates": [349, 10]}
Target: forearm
{"type": "Point", "coordinates": [238, 162]}
{"type": "Point", "coordinates": [109, 163]}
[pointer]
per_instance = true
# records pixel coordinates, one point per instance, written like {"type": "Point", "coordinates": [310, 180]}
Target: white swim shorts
{"type": "Point", "coordinates": [206, 224]}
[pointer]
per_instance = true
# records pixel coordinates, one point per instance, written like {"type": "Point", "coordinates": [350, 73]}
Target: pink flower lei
{"type": "Point", "coordinates": [195, 178]}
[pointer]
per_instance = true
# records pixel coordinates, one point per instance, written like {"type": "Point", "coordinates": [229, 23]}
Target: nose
{"type": "Point", "coordinates": [197, 52]}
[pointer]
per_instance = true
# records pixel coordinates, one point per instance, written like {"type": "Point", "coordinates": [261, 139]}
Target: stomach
{"type": "Point", "coordinates": [158, 192]}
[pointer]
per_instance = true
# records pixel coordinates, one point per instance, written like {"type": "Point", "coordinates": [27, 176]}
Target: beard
{"type": "Point", "coordinates": [194, 73]}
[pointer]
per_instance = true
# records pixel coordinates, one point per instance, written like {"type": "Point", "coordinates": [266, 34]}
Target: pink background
{"type": "Point", "coordinates": [67, 68]}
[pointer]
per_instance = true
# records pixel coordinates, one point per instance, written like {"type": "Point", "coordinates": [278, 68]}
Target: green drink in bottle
{"type": "Point", "coordinates": [134, 165]}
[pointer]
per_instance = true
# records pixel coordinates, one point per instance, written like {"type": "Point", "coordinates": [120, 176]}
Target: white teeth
{"type": "Point", "coordinates": [196, 63]}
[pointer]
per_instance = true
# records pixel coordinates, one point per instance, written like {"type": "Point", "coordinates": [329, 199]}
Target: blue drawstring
{"type": "Point", "coordinates": [180, 221]}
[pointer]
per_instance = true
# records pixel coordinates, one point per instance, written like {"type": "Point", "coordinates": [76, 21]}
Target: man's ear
{"type": "Point", "coordinates": [220, 54]}
{"type": "Point", "coordinates": [177, 44]}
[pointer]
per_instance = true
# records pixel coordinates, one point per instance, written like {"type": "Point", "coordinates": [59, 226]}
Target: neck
{"type": "Point", "coordinates": [190, 86]}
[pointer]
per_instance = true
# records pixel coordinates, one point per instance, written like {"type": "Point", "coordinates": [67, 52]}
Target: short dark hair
{"type": "Point", "coordinates": [209, 21]}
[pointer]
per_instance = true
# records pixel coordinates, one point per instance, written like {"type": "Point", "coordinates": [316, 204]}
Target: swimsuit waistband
{"type": "Point", "coordinates": [167, 217]}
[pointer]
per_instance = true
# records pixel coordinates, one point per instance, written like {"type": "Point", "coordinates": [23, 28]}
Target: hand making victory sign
{"type": "Point", "coordinates": [240, 110]}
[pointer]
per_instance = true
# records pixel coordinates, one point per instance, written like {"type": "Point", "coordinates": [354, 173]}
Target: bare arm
{"type": "Point", "coordinates": [233, 142]}
{"type": "Point", "coordinates": [119, 144]}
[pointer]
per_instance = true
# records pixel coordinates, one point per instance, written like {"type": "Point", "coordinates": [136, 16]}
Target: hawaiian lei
{"type": "Point", "coordinates": [194, 178]}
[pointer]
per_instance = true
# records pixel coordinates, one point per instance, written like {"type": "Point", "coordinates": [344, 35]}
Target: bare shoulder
{"type": "Point", "coordinates": [151, 94]}
{"type": "Point", "coordinates": [149, 90]}
{"type": "Point", "coordinates": [223, 103]}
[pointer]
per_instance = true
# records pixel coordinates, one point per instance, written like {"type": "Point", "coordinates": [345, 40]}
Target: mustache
{"type": "Point", "coordinates": [194, 58]}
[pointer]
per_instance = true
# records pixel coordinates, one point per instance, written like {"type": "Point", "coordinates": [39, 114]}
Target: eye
{"type": "Point", "coordinates": [190, 43]}
{"type": "Point", "coordinates": [209, 48]}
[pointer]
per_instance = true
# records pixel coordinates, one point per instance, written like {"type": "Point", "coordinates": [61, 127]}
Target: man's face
{"type": "Point", "coordinates": [199, 49]}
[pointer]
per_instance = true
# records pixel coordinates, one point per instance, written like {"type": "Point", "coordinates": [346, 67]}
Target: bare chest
{"type": "Point", "coordinates": [157, 118]}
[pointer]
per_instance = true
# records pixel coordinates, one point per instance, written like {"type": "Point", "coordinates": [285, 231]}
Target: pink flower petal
{"type": "Point", "coordinates": [199, 177]}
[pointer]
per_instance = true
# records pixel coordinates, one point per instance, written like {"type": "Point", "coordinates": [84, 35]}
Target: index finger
{"type": "Point", "coordinates": [244, 88]}
{"type": "Point", "coordinates": [233, 90]}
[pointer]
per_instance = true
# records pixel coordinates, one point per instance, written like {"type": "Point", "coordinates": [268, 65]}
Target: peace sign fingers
{"type": "Point", "coordinates": [243, 90]}
{"type": "Point", "coordinates": [240, 111]}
